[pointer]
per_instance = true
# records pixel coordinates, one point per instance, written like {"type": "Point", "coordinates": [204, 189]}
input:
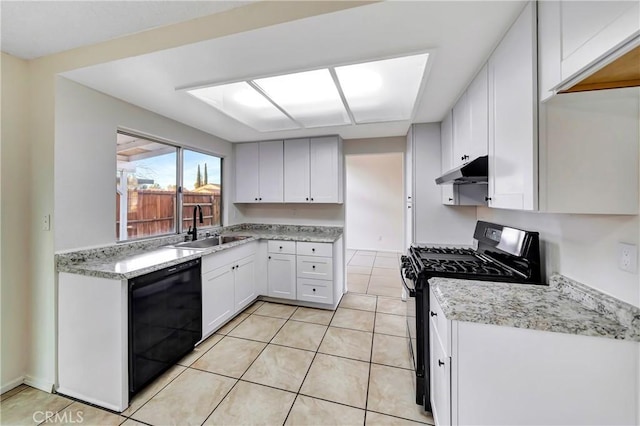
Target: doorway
{"type": "Point", "coordinates": [374, 202]}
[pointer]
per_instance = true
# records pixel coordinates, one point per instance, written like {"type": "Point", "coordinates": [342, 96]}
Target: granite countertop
{"type": "Point", "coordinates": [129, 260]}
{"type": "Point", "coordinates": [564, 306]}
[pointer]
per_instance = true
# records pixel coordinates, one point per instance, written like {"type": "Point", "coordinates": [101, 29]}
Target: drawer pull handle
{"type": "Point", "coordinates": [433, 314]}
{"type": "Point", "coordinates": [440, 363]}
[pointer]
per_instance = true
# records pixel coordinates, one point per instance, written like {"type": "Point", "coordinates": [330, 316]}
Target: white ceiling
{"type": "Point", "coordinates": [31, 29]}
{"type": "Point", "coordinates": [458, 35]}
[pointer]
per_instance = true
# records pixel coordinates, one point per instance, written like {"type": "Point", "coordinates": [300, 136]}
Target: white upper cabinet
{"type": "Point", "coordinates": [478, 96]}
{"type": "Point", "coordinates": [313, 170]}
{"type": "Point", "coordinates": [577, 38]}
{"type": "Point", "coordinates": [271, 172]}
{"type": "Point", "coordinates": [259, 172]}
{"type": "Point", "coordinates": [296, 174]}
{"type": "Point", "coordinates": [593, 29]}
{"type": "Point", "coordinates": [513, 147]}
{"type": "Point", "coordinates": [446, 154]}
{"type": "Point", "coordinates": [470, 122]}
{"type": "Point", "coordinates": [326, 170]}
{"type": "Point", "coordinates": [247, 161]}
{"type": "Point", "coordinates": [461, 131]}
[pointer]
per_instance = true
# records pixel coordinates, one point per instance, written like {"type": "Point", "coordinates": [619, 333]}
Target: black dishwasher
{"type": "Point", "coordinates": [165, 320]}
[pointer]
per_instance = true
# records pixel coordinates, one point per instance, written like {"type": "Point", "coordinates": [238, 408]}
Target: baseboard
{"type": "Point", "coordinates": [372, 249]}
{"type": "Point", "coordinates": [12, 384]}
{"type": "Point", "coordinates": [43, 385]}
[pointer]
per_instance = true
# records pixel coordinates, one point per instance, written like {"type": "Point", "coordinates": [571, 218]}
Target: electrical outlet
{"type": "Point", "coordinates": [628, 257]}
{"type": "Point", "coordinates": [46, 222]}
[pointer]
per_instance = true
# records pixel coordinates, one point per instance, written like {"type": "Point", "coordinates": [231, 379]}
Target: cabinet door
{"type": "Point", "coordinates": [478, 96]}
{"type": "Point", "coordinates": [513, 117]}
{"type": "Point", "coordinates": [593, 29]}
{"type": "Point", "coordinates": [461, 131]}
{"type": "Point", "coordinates": [325, 170]}
{"type": "Point", "coordinates": [446, 156]}
{"type": "Point", "coordinates": [408, 190]}
{"type": "Point", "coordinates": [440, 379]}
{"type": "Point", "coordinates": [217, 298]}
{"type": "Point", "coordinates": [271, 172]}
{"type": "Point", "coordinates": [247, 172]}
{"type": "Point", "coordinates": [296, 171]}
{"type": "Point", "coordinates": [281, 275]}
{"type": "Point", "coordinates": [245, 282]}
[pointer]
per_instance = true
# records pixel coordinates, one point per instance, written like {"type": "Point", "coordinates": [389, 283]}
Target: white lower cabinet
{"type": "Point", "coordinates": [281, 275]}
{"type": "Point", "coordinates": [217, 298]}
{"type": "Point", "coordinates": [228, 285]}
{"type": "Point", "coordinates": [498, 375]}
{"type": "Point", "coordinates": [305, 271]}
{"type": "Point", "coordinates": [244, 282]}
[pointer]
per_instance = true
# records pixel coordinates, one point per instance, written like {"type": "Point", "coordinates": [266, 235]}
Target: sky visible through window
{"type": "Point", "coordinates": [162, 169]}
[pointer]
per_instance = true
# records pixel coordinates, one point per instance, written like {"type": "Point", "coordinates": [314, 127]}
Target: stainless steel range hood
{"type": "Point", "coordinates": [475, 171]}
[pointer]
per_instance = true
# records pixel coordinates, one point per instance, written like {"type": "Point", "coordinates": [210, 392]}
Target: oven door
{"type": "Point", "coordinates": [415, 320]}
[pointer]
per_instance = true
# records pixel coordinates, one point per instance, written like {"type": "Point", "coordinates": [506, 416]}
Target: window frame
{"type": "Point", "coordinates": [178, 229]}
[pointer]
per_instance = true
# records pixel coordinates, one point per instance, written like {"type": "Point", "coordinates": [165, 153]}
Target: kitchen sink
{"type": "Point", "coordinates": [210, 242]}
{"type": "Point", "coordinates": [230, 238]}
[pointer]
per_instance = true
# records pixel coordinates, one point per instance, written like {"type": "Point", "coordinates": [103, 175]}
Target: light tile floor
{"type": "Point", "coordinates": [273, 364]}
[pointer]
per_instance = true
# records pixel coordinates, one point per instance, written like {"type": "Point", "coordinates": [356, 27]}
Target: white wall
{"type": "Point", "coordinates": [85, 158]}
{"type": "Point", "coordinates": [581, 247]}
{"type": "Point", "coordinates": [374, 202]}
{"type": "Point", "coordinates": [434, 222]}
{"type": "Point", "coordinates": [15, 177]}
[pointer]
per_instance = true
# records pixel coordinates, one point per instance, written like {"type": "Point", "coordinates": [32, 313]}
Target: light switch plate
{"type": "Point", "coordinates": [628, 257]}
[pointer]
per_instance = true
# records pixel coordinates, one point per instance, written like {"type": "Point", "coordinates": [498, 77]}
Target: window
{"type": "Point", "coordinates": [151, 191]}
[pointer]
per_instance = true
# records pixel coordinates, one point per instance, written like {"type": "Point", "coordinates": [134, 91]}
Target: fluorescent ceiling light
{"type": "Point", "coordinates": [368, 92]}
{"type": "Point", "coordinates": [383, 90]}
{"type": "Point", "coordinates": [245, 104]}
{"type": "Point", "coordinates": [311, 97]}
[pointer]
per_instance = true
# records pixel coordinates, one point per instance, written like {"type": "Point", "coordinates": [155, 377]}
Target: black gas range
{"type": "Point", "coordinates": [502, 254]}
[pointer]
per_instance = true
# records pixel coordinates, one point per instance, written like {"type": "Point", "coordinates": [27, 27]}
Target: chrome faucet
{"type": "Point", "coordinates": [194, 232]}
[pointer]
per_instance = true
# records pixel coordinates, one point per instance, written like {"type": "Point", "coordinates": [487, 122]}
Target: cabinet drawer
{"type": "Point", "coordinates": [318, 268]}
{"type": "Point", "coordinates": [283, 247]}
{"type": "Point", "coordinates": [441, 324]}
{"type": "Point", "coordinates": [319, 291]}
{"type": "Point", "coordinates": [314, 249]}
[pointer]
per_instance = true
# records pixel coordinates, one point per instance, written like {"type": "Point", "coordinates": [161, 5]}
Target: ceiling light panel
{"type": "Point", "coordinates": [311, 97]}
{"type": "Point", "coordinates": [383, 90]}
{"type": "Point", "coordinates": [245, 104]}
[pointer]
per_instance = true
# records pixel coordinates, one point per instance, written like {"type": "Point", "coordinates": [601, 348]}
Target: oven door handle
{"type": "Point", "coordinates": [410, 291]}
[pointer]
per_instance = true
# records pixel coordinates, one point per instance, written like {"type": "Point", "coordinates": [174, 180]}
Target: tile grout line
{"type": "Point", "coordinates": [252, 362]}
{"type": "Point", "coordinates": [366, 401]}
{"type": "Point", "coordinates": [310, 364]}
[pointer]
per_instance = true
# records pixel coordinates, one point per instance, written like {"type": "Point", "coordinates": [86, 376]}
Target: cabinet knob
{"type": "Point", "coordinates": [280, 247]}
{"type": "Point", "coordinates": [313, 266]}
{"type": "Point", "coordinates": [307, 199]}
{"type": "Point", "coordinates": [314, 290]}
{"type": "Point", "coordinates": [433, 314]}
{"type": "Point", "coordinates": [450, 199]}
{"type": "Point", "coordinates": [311, 198]}
{"type": "Point", "coordinates": [255, 199]}
{"type": "Point", "coordinates": [233, 267]}
{"type": "Point", "coordinates": [313, 249]}
{"type": "Point", "coordinates": [409, 197]}
{"type": "Point", "coordinates": [269, 257]}
{"type": "Point", "coordinates": [408, 207]}
{"type": "Point", "coordinates": [237, 266]}
{"type": "Point", "coordinates": [440, 363]}
{"type": "Point", "coordinates": [487, 198]}
{"type": "Point", "coordinates": [260, 198]}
